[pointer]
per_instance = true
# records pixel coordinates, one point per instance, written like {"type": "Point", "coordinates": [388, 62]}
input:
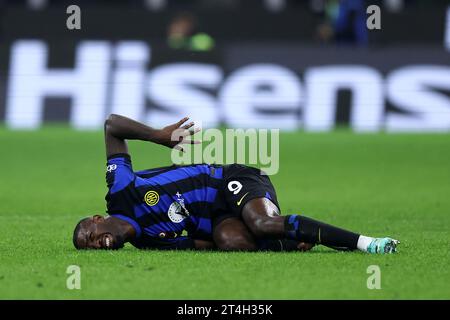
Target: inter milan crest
{"type": "Point", "coordinates": [151, 198]}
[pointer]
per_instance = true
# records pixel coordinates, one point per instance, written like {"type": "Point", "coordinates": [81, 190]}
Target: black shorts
{"type": "Point", "coordinates": [240, 185]}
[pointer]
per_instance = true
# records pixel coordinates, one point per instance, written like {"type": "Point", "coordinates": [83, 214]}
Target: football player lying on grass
{"type": "Point", "coordinates": [228, 207]}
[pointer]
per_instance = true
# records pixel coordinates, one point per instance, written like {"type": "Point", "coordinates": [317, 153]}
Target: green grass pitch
{"type": "Point", "coordinates": [382, 185]}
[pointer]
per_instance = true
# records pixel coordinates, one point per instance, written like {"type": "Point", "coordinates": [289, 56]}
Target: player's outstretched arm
{"type": "Point", "coordinates": [118, 129]}
{"type": "Point", "coordinates": [179, 243]}
{"type": "Point", "coordinates": [204, 245]}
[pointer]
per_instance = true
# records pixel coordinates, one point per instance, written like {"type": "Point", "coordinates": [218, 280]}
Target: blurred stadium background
{"type": "Point", "coordinates": [300, 66]}
{"type": "Point", "coordinates": [282, 63]}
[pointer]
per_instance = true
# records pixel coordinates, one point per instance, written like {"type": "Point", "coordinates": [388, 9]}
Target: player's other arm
{"type": "Point", "coordinates": [186, 243]}
{"type": "Point", "coordinates": [118, 129]}
{"type": "Point", "coordinates": [204, 245]}
{"type": "Point", "coordinates": [179, 243]}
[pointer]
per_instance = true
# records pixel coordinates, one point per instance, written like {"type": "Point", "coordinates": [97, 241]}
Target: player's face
{"type": "Point", "coordinates": [100, 233]}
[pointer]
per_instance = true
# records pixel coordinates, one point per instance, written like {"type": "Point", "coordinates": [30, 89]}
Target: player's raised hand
{"type": "Point", "coordinates": [174, 135]}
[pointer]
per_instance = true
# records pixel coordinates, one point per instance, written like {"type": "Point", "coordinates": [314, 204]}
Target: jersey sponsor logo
{"type": "Point", "coordinates": [240, 200]}
{"type": "Point", "coordinates": [174, 212]}
{"type": "Point", "coordinates": [111, 167]}
{"type": "Point", "coordinates": [151, 198]}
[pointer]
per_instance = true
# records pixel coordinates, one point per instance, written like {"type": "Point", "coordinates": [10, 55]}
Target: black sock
{"type": "Point", "coordinates": [277, 245]}
{"type": "Point", "coordinates": [308, 230]}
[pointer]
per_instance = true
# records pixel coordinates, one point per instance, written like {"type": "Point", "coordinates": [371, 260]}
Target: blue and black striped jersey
{"type": "Point", "coordinates": [161, 203]}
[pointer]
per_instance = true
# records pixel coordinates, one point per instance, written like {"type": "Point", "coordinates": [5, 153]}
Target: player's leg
{"type": "Point", "coordinates": [262, 217]}
{"type": "Point", "coordinates": [232, 234]}
{"type": "Point", "coordinates": [250, 195]}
